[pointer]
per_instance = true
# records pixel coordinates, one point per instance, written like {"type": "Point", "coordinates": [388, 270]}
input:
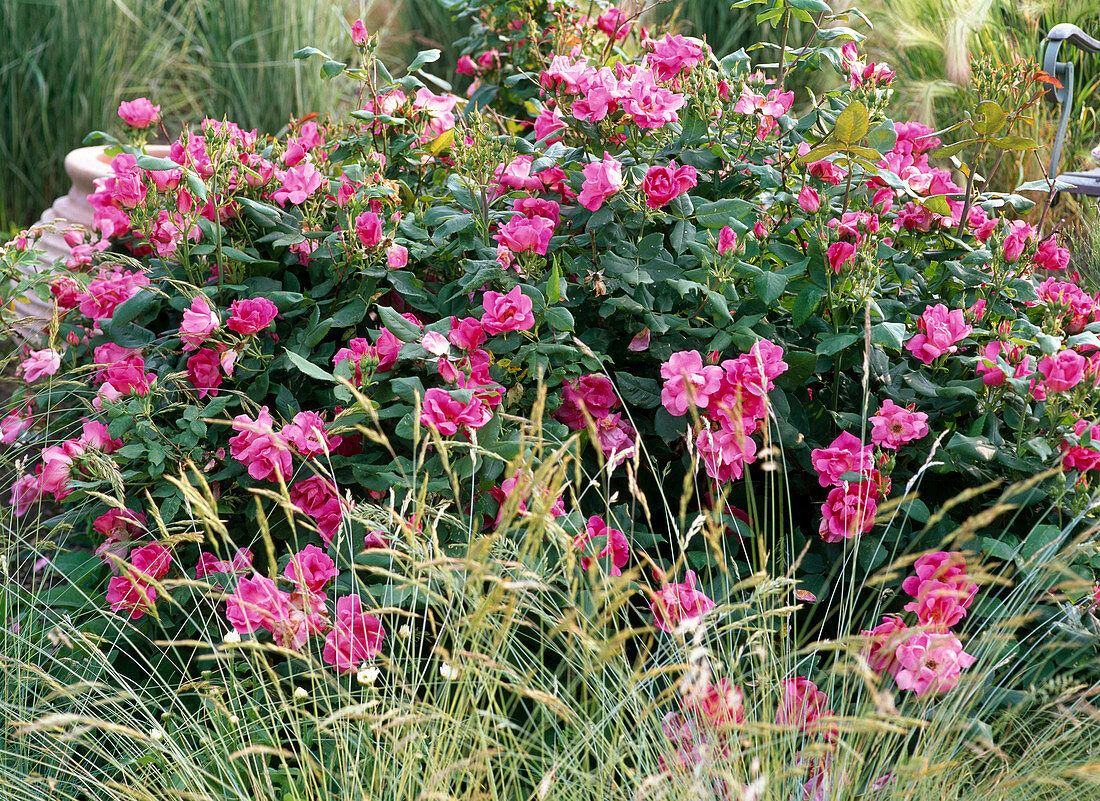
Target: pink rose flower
{"type": "Point", "coordinates": [199, 322]}
{"type": "Point", "coordinates": [727, 241]}
{"type": "Point", "coordinates": [614, 22]}
{"type": "Point", "coordinates": [397, 256]}
{"type": "Point", "coordinates": [356, 637]}
{"type": "Point", "coordinates": [138, 113]}
{"type": "Point", "coordinates": [306, 432]}
{"type": "Point", "coordinates": [947, 567]}
{"type": "Point", "coordinates": [662, 184]}
{"type": "Point", "coordinates": [938, 605]}
{"type": "Point", "coordinates": [108, 290]}
{"type": "Point", "coordinates": [848, 511]}
{"type": "Point", "coordinates": [467, 333]}
{"type": "Point", "coordinates": [599, 541]}
{"type": "Point", "coordinates": [297, 184]}
{"type": "Point", "coordinates": [169, 230]}
{"type": "Point", "coordinates": [725, 452]}
{"type": "Point", "coordinates": [435, 343]}
{"type": "Point", "coordinates": [1063, 371]}
{"type": "Point", "coordinates": [132, 591]}
{"type": "Point", "coordinates": [650, 106]}
{"type": "Point", "coordinates": [258, 447]}
{"type": "Point", "coordinates": [251, 316]}
{"type": "Point", "coordinates": [688, 382]}
{"type": "Point", "coordinates": [257, 603]}
{"type": "Point", "coordinates": [548, 125]}
{"type": "Point", "coordinates": [446, 413]}
{"type": "Point", "coordinates": [1019, 234]}
{"type": "Point", "coordinates": [940, 331]}
{"type": "Point", "coordinates": [839, 254]}
{"type": "Point", "coordinates": [14, 424]}
{"type": "Point", "coordinates": [210, 563]}
{"type": "Point", "coordinates": [993, 375]}
{"type": "Point", "coordinates": [311, 568]}
{"type": "Point", "coordinates": [204, 372]}
{"type": "Point", "coordinates": [368, 227]}
{"type": "Point", "coordinates": [516, 174]}
{"type": "Point", "coordinates": [594, 393]}
{"type": "Point", "coordinates": [717, 705]}
{"type": "Point", "coordinates": [526, 234]}
{"type": "Point", "coordinates": [801, 705]}
{"type": "Point", "coordinates": [39, 363]}
{"type": "Point", "coordinates": [128, 593]}
{"type": "Point", "coordinates": [318, 498]}
{"type": "Point", "coordinates": [1078, 457]}
{"type": "Point", "coordinates": [616, 437]}
{"type": "Point", "coordinates": [54, 473]}
{"type": "Point", "coordinates": [931, 663]}
{"type": "Point", "coordinates": [358, 33]}
{"type": "Point", "coordinates": [503, 313]}
{"type": "Point", "coordinates": [845, 455]}
{"type": "Point", "coordinates": [25, 491]}
{"type": "Point", "coordinates": [1049, 256]}
{"type": "Point", "coordinates": [599, 97]}
{"type": "Point", "coordinates": [675, 604]}
{"type": "Point", "coordinates": [519, 485]}
{"type": "Point", "coordinates": [673, 54]}
{"type": "Point", "coordinates": [885, 639]}
{"type": "Point", "coordinates": [602, 179]}
{"type": "Point", "coordinates": [893, 426]}
{"type": "Point", "coordinates": [151, 561]}
{"type": "Point", "coordinates": [808, 200]}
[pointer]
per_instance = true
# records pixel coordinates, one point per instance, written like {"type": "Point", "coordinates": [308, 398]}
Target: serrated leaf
{"type": "Point", "coordinates": [330, 69]}
{"type": "Point", "coordinates": [398, 325]}
{"type": "Point", "coordinates": [852, 123]}
{"type": "Point", "coordinates": [424, 57]}
{"type": "Point", "coordinates": [155, 164]}
{"type": "Point", "coordinates": [889, 335]}
{"type": "Point", "coordinates": [835, 343]}
{"type": "Point", "coordinates": [937, 204]}
{"type": "Point", "coordinates": [1015, 143]}
{"type": "Point", "coordinates": [953, 149]}
{"type": "Point", "coordinates": [805, 303]}
{"type": "Point", "coordinates": [559, 318]}
{"type": "Point", "coordinates": [350, 313]}
{"type": "Point", "coordinates": [308, 367]}
{"type": "Point", "coordinates": [993, 118]}
{"type": "Point", "coordinates": [306, 52]}
{"type": "Point", "coordinates": [769, 286]}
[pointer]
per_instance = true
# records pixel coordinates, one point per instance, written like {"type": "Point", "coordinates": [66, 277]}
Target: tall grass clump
{"type": "Point", "coordinates": [510, 673]}
{"type": "Point", "coordinates": [64, 66]}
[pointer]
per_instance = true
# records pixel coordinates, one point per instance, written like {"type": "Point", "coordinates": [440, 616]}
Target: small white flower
{"type": "Point", "coordinates": [405, 631]}
{"type": "Point", "coordinates": [367, 675]}
{"type": "Point", "coordinates": [231, 637]}
{"type": "Point", "coordinates": [157, 734]}
{"type": "Point", "coordinates": [301, 692]}
{"type": "Point", "coordinates": [234, 719]}
{"type": "Point", "coordinates": [448, 671]}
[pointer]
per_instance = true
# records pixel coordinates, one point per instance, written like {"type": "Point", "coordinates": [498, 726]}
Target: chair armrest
{"type": "Point", "coordinates": [1073, 35]}
{"type": "Point", "coordinates": [1062, 71]}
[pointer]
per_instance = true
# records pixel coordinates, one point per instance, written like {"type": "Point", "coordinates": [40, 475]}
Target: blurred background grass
{"type": "Point", "coordinates": [66, 64]}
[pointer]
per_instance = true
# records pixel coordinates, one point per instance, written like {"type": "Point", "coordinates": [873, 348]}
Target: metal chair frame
{"type": "Point", "coordinates": [1065, 33]}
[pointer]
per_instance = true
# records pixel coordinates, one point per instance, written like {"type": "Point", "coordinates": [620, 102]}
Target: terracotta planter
{"type": "Point", "coordinates": [83, 165]}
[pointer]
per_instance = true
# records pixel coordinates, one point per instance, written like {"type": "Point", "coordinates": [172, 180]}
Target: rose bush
{"type": "Point", "coordinates": [619, 240]}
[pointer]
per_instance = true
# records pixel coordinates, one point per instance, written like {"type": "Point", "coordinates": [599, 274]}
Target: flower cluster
{"type": "Point", "coordinates": [926, 658]}
{"type": "Point", "coordinates": [731, 399]}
